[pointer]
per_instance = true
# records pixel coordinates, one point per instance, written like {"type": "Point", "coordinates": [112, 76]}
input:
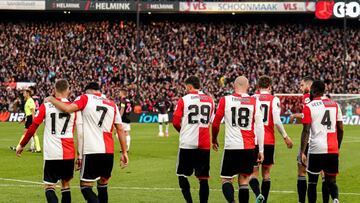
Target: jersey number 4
{"type": "Point", "coordinates": [61, 116]}
{"type": "Point", "coordinates": [326, 120]}
{"type": "Point", "coordinates": [204, 111]}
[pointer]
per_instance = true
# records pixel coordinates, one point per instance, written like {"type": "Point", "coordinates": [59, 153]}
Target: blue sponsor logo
{"type": "Point", "coordinates": [148, 118]}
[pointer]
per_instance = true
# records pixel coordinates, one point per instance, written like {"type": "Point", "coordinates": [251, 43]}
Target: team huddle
{"type": "Point", "coordinates": [249, 146]}
{"type": "Point", "coordinates": [249, 139]}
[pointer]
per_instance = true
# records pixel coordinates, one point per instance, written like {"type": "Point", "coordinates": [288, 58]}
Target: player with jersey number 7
{"type": "Point", "coordinates": [96, 147]}
{"type": "Point", "coordinates": [59, 150]}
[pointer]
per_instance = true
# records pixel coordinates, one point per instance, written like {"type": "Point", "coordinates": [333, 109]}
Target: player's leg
{"type": "Point", "coordinates": [105, 174]}
{"type": "Point", "coordinates": [65, 191]}
{"type": "Point", "coordinates": [266, 182]}
{"type": "Point", "coordinates": [243, 188]}
{"type": "Point", "coordinates": [314, 166]}
{"type": "Point", "coordinates": [185, 169]}
{"type": "Point", "coordinates": [50, 193]}
{"type": "Point", "coordinates": [50, 180]}
{"type": "Point", "coordinates": [313, 178]}
{"type": "Point", "coordinates": [166, 121]}
{"type": "Point", "coordinates": [324, 189]}
{"type": "Point", "coordinates": [161, 133]}
{"type": "Point", "coordinates": [66, 173]}
{"type": "Point", "coordinates": [202, 172]}
{"type": "Point", "coordinates": [88, 175]}
{"type": "Point", "coordinates": [32, 144]}
{"type": "Point", "coordinates": [102, 186]}
{"type": "Point", "coordinates": [331, 169]}
{"type": "Point", "coordinates": [254, 181]}
{"type": "Point", "coordinates": [228, 189]}
{"type": "Point", "coordinates": [301, 180]}
{"type": "Point", "coordinates": [265, 170]}
{"type": "Point", "coordinates": [127, 135]}
{"type": "Point", "coordinates": [37, 143]}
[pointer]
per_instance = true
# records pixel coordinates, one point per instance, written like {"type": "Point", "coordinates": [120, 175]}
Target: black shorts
{"type": "Point", "coordinates": [193, 159]}
{"type": "Point", "coordinates": [96, 166]}
{"type": "Point", "coordinates": [28, 121]}
{"type": "Point", "coordinates": [298, 158]}
{"type": "Point", "coordinates": [55, 170]}
{"type": "Point", "coordinates": [268, 155]}
{"type": "Point", "coordinates": [236, 162]}
{"type": "Point", "coordinates": [329, 163]}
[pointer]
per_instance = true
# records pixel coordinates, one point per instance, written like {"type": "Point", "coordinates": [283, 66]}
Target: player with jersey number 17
{"type": "Point", "coordinates": [59, 150]}
{"type": "Point", "coordinates": [322, 118]}
{"type": "Point", "coordinates": [243, 124]}
{"type": "Point", "coordinates": [96, 147]}
{"type": "Point", "coordinates": [192, 119]}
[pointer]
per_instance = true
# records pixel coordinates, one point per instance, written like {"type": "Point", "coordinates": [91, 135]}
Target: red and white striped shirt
{"type": "Point", "coordinates": [192, 118]}
{"type": "Point", "coordinates": [322, 113]}
{"type": "Point", "coordinates": [270, 107]}
{"type": "Point", "coordinates": [58, 131]}
{"type": "Point", "coordinates": [99, 115]}
{"type": "Point", "coordinates": [243, 121]}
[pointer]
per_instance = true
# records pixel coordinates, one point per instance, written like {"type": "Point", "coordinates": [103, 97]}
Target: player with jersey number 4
{"type": "Point", "coordinates": [192, 119]}
{"type": "Point", "coordinates": [96, 146]}
{"type": "Point", "coordinates": [322, 118]}
{"type": "Point", "coordinates": [243, 124]}
{"type": "Point", "coordinates": [59, 151]}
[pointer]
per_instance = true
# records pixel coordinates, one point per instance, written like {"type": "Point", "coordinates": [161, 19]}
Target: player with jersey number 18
{"type": "Point", "coordinates": [59, 151]}
{"type": "Point", "coordinates": [96, 147]}
{"type": "Point", "coordinates": [243, 124]}
{"type": "Point", "coordinates": [322, 118]}
{"type": "Point", "coordinates": [192, 119]}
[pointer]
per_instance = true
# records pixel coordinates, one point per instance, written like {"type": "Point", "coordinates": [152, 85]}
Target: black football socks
{"type": "Point", "coordinates": [243, 194]}
{"type": "Point", "coordinates": [65, 195]}
{"type": "Point", "coordinates": [50, 195]}
{"type": "Point", "coordinates": [185, 188]}
{"type": "Point", "coordinates": [265, 188]}
{"type": "Point", "coordinates": [301, 188]}
{"type": "Point", "coordinates": [204, 191]}
{"type": "Point", "coordinates": [102, 193]}
{"type": "Point", "coordinates": [89, 195]}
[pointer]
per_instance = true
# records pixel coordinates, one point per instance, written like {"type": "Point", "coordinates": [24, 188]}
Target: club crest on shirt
{"type": "Point", "coordinates": [307, 100]}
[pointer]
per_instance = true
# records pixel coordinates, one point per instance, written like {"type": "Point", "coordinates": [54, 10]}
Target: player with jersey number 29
{"type": "Point", "coordinates": [192, 119]}
{"type": "Point", "coordinates": [96, 147]}
{"type": "Point", "coordinates": [243, 124]}
{"type": "Point", "coordinates": [322, 118]}
{"type": "Point", "coordinates": [59, 150]}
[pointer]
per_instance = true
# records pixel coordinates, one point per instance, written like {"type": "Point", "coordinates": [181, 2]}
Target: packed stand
{"type": "Point", "coordinates": [105, 51]}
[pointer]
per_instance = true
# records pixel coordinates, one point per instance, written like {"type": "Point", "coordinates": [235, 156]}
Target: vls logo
{"type": "Point", "coordinates": [342, 9]}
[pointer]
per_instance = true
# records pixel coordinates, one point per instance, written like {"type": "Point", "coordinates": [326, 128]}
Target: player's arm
{"type": "Point", "coordinates": [31, 130]}
{"type": "Point", "coordinates": [122, 108]}
{"type": "Point", "coordinates": [278, 124]}
{"type": "Point", "coordinates": [178, 114]}
{"type": "Point", "coordinates": [339, 127]}
{"type": "Point", "coordinates": [80, 139]}
{"type": "Point", "coordinates": [259, 130]}
{"type": "Point", "coordinates": [215, 128]}
{"type": "Point", "coordinates": [305, 133]}
{"type": "Point", "coordinates": [122, 138]}
{"type": "Point", "coordinates": [68, 108]}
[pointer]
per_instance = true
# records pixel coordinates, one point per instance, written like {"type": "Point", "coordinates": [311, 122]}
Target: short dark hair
{"type": "Point", "coordinates": [264, 82]}
{"type": "Point", "coordinates": [194, 81]}
{"type": "Point", "coordinates": [308, 79]}
{"type": "Point", "coordinates": [61, 85]}
{"type": "Point", "coordinates": [318, 87]}
{"type": "Point", "coordinates": [28, 91]}
{"type": "Point", "coordinates": [92, 86]}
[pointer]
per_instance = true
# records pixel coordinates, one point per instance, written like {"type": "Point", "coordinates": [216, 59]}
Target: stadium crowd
{"type": "Point", "coordinates": [105, 51]}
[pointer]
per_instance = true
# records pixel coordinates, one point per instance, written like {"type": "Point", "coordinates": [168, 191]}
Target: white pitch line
{"type": "Point", "coordinates": [145, 188]}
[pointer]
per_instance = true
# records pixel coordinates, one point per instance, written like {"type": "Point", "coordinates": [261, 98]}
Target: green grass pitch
{"type": "Point", "coordinates": [151, 177]}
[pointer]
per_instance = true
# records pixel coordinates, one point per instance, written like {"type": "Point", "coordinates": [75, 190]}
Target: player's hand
{"type": "Point", "coordinates": [303, 159]}
{"type": "Point", "coordinates": [78, 163]}
{"type": "Point", "coordinates": [288, 142]}
{"type": "Point", "coordinates": [19, 150]}
{"type": "Point", "coordinates": [292, 117]}
{"type": "Point", "coordinates": [124, 161]}
{"type": "Point", "coordinates": [48, 99]}
{"type": "Point", "coordinates": [260, 157]}
{"type": "Point", "coordinates": [215, 146]}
